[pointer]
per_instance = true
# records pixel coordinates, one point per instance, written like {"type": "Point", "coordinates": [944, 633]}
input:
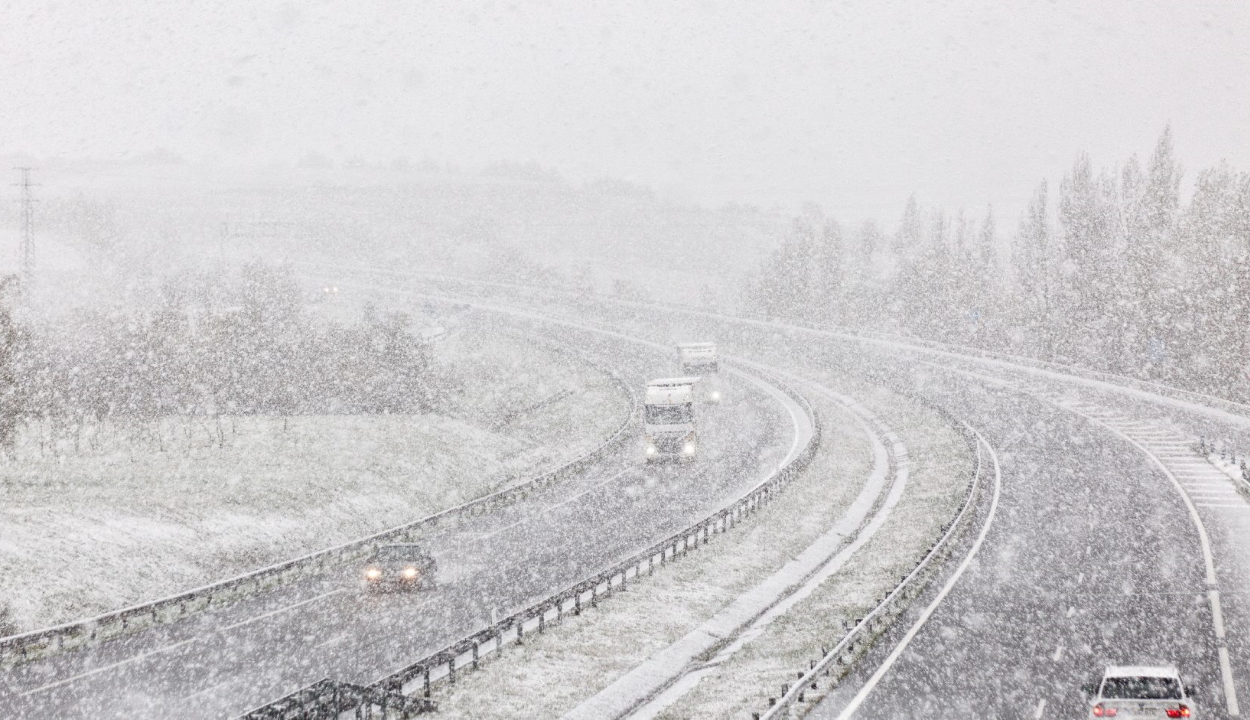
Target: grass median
{"type": "Point", "coordinates": [553, 672]}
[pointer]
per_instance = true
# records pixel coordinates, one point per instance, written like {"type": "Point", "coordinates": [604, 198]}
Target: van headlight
{"type": "Point", "coordinates": [373, 573]}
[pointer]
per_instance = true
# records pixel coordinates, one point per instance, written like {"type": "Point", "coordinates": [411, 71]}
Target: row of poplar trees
{"type": "Point", "coordinates": [1112, 270]}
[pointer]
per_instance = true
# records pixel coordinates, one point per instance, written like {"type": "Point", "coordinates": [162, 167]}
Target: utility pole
{"type": "Point", "coordinates": [27, 251]}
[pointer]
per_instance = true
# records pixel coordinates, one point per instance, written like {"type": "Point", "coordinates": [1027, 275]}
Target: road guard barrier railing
{"type": "Point", "coordinates": [861, 633]}
{"type": "Point", "coordinates": [17, 649]}
{"type": "Point", "coordinates": [1209, 449]}
{"type": "Point", "coordinates": [327, 699]}
{"type": "Point", "coordinates": [417, 678]}
{"type": "Point", "coordinates": [1168, 391]}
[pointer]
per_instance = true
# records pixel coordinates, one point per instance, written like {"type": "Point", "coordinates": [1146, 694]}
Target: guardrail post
{"type": "Point", "coordinates": [577, 603]}
{"type": "Point", "coordinates": [451, 670]}
{"type": "Point", "coordinates": [426, 684]}
{"type": "Point", "coordinates": [475, 652]}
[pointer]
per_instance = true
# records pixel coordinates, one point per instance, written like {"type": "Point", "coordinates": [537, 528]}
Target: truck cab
{"type": "Point", "coordinates": [669, 420]}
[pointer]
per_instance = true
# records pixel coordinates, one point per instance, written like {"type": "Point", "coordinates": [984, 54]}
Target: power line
{"type": "Point", "coordinates": [27, 251]}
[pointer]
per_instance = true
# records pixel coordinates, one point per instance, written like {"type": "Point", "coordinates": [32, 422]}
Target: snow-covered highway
{"type": "Point", "coordinates": [228, 661]}
{"type": "Point", "coordinates": [1095, 556]}
{"type": "Point", "coordinates": [1113, 543]}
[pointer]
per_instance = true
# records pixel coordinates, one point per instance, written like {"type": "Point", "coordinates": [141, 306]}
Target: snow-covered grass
{"type": "Point", "coordinates": [135, 511]}
{"type": "Point", "coordinates": [941, 463]}
{"type": "Point", "coordinates": [554, 672]}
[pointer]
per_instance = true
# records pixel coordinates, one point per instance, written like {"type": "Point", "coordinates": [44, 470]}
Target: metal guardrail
{"type": "Point", "coordinates": [466, 653]}
{"type": "Point", "coordinates": [1207, 448]}
{"type": "Point", "coordinates": [862, 633]}
{"type": "Point", "coordinates": [1088, 373]}
{"type": "Point", "coordinates": [38, 644]}
{"type": "Point", "coordinates": [327, 699]}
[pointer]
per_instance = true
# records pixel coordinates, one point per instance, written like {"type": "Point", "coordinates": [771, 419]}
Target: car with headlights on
{"type": "Point", "coordinates": [1129, 692]}
{"type": "Point", "coordinates": [399, 567]}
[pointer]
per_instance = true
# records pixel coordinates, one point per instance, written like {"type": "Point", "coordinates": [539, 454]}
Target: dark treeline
{"type": "Point", "coordinates": [212, 345]}
{"type": "Point", "coordinates": [1112, 271]}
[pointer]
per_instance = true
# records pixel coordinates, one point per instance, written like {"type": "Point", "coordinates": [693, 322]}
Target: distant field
{"type": "Point", "coordinates": [108, 515]}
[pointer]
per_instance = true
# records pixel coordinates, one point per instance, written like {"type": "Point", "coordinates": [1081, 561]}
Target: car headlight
{"type": "Point", "coordinates": [689, 448]}
{"type": "Point", "coordinates": [716, 396]}
{"type": "Point", "coordinates": [650, 449]}
{"type": "Point", "coordinates": [410, 573]}
{"type": "Point", "coordinates": [373, 573]}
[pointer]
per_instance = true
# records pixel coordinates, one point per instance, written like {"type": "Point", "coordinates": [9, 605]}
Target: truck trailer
{"type": "Point", "coordinates": [699, 358]}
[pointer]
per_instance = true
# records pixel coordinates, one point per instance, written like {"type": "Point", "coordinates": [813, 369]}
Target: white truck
{"type": "Point", "coordinates": [699, 358]}
{"type": "Point", "coordinates": [669, 419]}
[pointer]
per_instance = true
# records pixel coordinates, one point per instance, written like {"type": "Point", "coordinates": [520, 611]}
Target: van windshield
{"type": "Point", "coordinates": [669, 414]}
{"type": "Point", "coordinates": [1142, 688]}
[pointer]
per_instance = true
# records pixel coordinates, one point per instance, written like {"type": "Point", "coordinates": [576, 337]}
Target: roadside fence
{"type": "Point", "coordinates": [37, 644]}
{"type": "Point", "coordinates": [862, 632]}
{"type": "Point", "coordinates": [417, 679]}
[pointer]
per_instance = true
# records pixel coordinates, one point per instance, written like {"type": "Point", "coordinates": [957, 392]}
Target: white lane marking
{"type": "Point", "coordinates": [167, 648]}
{"type": "Point", "coordinates": [281, 610]}
{"type": "Point", "coordinates": [1239, 506]}
{"type": "Point", "coordinates": [1208, 559]}
{"type": "Point", "coordinates": [98, 670]}
{"type": "Point", "coordinates": [1080, 578]}
{"type": "Point", "coordinates": [1058, 654]}
{"type": "Point", "coordinates": [546, 508]}
{"type": "Point", "coordinates": [210, 688]}
{"type": "Point", "coordinates": [1071, 611]}
{"type": "Point", "coordinates": [332, 641]}
{"type": "Point", "coordinates": [877, 434]}
{"type": "Point", "coordinates": [863, 693]}
{"type": "Point", "coordinates": [1041, 708]}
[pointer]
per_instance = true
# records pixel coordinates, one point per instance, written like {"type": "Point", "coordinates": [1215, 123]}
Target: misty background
{"type": "Point", "coordinates": [1063, 180]}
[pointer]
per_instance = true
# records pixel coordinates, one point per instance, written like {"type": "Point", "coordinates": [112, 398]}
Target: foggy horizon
{"type": "Point", "coordinates": [964, 105]}
{"type": "Point", "coordinates": [507, 360]}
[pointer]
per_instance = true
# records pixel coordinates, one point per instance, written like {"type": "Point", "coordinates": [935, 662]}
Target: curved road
{"type": "Point", "coordinates": [1113, 543]}
{"type": "Point", "coordinates": [225, 662]}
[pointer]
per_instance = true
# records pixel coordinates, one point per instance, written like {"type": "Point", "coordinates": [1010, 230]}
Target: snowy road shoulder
{"type": "Point", "coordinates": [590, 652]}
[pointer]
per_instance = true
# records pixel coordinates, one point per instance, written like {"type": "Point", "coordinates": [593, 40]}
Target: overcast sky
{"type": "Point", "coordinates": [851, 104]}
